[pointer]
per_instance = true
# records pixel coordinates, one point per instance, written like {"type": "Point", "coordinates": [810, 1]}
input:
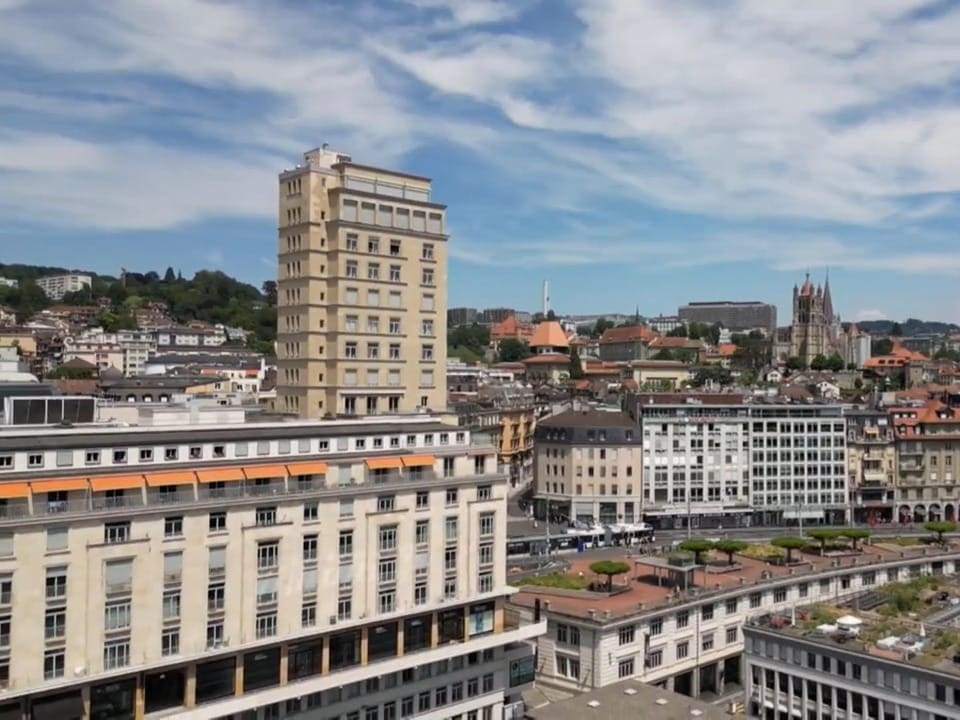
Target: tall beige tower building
{"type": "Point", "coordinates": [361, 290]}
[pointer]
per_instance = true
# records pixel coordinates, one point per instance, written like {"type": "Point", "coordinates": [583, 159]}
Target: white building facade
{"type": "Point", "coordinates": [56, 286]}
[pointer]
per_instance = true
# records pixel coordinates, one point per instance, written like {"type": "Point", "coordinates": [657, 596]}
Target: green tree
{"type": "Point", "coordinates": [858, 384]}
{"type": "Point", "coordinates": [698, 547]}
{"type": "Point", "coordinates": [794, 363]}
{"type": "Point", "coordinates": [940, 528]}
{"type": "Point", "coordinates": [576, 367]}
{"type": "Point", "coordinates": [601, 326]}
{"type": "Point", "coordinates": [855, 534]}
{"type": "Point", "coordinates": [71, 373]}
{"type": "Point", "coordinates": [551, 315]}
{"type": "Point", "coordinates": [609, 568]}
{"type": "Point", "coordinates": [585, 330]}
{"type": "Point", "coordinates": [896, 330]}
{"type": "Point", "coordinates": [679, 331]}
{"type": "Point", "coordinates": [823, 535]}
{"type": "Point", "coordinates": [835, 363]}
{"type": "Point", "coordinates": [789, 543]}
{"type": "Point", "coordinates": [881, 346]}
{"type": "Point", "coordinates": [714, 374]}
{"type": "Point", "coordinates": [731, 548]}
{"type": "Point", "coordinates": [512, 350]}
{"type": "Point", "coordinates": [819, 362]}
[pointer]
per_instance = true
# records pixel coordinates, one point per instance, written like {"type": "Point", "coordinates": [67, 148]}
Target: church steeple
{"type": "Point", "coordinates": [827, 300]}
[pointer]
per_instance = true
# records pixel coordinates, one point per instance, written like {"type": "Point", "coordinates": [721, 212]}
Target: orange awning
{"type": "Point", "coordinates": [418, 460]}
{"type": "Point", "coordinates": [383, 463]}
{"type": "Point", "coordinates": [58, 485]}
{"type": "Point", "coordinates": [174, 477]}
{"type": "Point", "coordinates": [14, 490]}
{"type": "Point", "coordinates": [260, 472]}
{"type": "Point", "coordinates": [115, 482]}
{"type": "Point", "coordinates": [307, 468]}
{"type": "Point", "coordinates": [227, 474]}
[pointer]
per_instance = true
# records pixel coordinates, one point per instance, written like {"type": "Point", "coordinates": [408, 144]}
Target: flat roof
{"type": "Point", "coordinates": [925, 634]}
{"type": "Point", "coordinates": [628, 699]}
{"type": "Point", "coordinates": [647, 594]}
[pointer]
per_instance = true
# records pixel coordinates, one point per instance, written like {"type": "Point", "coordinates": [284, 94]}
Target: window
{"type": "Point", "coordinates": [344, 608]}
{"type": "Point", "coordinates": [217, 561]}
{"type": "Point", "coordinates": [119, 457]}
{"type": "Point", "coordinates": [146, 454]}
{"type": "Point", "coordinates": [373, 271]}
{"type": "Point", "coordinates": [216, 597]}
{"type": "Point", "coordinates": [215, 634]}
{"type": "Point", "coordinates": [625, 668]}
{"type": "Point", "coordinates": [780, 595]}
{"type": "Point", "coordinates": [57, 539]}
{"type": "Point", "coordinates": [56, 583]}
{"type": "Point", "coordinates": [707, 612]}
{"type": "Point", "coordinates": [346, 543]}
{"type": "Point", "coordinates": [311, 511]}
{"type": "Point", "coordinates": [268, 555]}
{"type": "Point", "coordinates": [171, 605]}
{"type": "Point", "coordinates": [683, 649]}
{"type": "Point", "coordinates": [423, 500]}
{"type": "Point", "coordinates": [423, 532]}
{"type": "Point", "coordinates": [217, 522]}
{"type": "Point", "coordinates": [116, 654]}
{"type": "Point", "coordinates": [755, 600]}
{"type": "Point", "coordinates": [267, 590]}
{"type": "Point", "coordinates": [627, 635]}
{"type": "Point", "coordinates": [450, 559]}
{"type": "Point", "coordinates": [656, 627]}
{"type": "Point", "coordinates": [308, 614]}
{"type": "Point", "coordinates": [427, 252]}
{"type": "Point", "coordinates": [346, 507]}
{"type": "Point", "coordinates": [35, 460]}
{"type": "Point", "coordinates": [394, 273]}
{"type": "Point", "coordinates": [310, 548]}
{"type": "Point", "coordinates": [386, 503]}
{"type": "Point", "coordinates": [486, 554]}
{"type": "Point", "coordinates": [55, 625]}
{"type": "Point", "coordinates": [116, 616]}
{"type": "Point", "coordinates": [53, 664]}
{"type": "Point", "coordinates": [117, 575]}
{"type": "Point", "coordinates": [450, 588]}
{"type": "Point", "coordinates": [388, 538]}
{"type": "Point", "coordinates": [731, 635]}
{"type": "Point", "coordinates": [568, 667]}
{"type": "Point", "coordinates": [426, 277]}
{"type": "Point", "coordinates": [486, 582]}
{"type": "Point", "coordinates": [117, 532]}
{"type": "Point", "coordinates": [173, 527]}
{"type": "Point", "coordinates": [487, 521]}
{"type": "Point", "coordinates": [387, 601]}
{"type": "Point", "coordinates": [655, 658]}
{"type": "Point", "coordinates": [707, 642]}
{"type": "Point", "coordinates": [172, 567]}
{"type": "Point", "coordinates": [451, 496]}
{"type": "Point", "coordinates": [266, 516]}
{"type": "Point", "coordinates": [352, 269]}
{"type": "Point", "coordinates": [92, 457]}
{"type": "Point", "coordinates": [568, 635]}
{"type": "Point", "coordinates": [266, 625]}
{"type": "Point", "coordinates": [731, 608]}
{"type": "Point", "coordinates": [683, 619]}
{"type": "Point", "coordinates": [170, 642]}
{"type": "Point", "coordinates": [450, 529]}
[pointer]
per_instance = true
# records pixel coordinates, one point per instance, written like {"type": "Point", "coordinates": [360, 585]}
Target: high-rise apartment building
{"type": "Point", "coordinates": [56, 286]}
{"type": "Point", "coordinates": [361, 290]}
{"type": "Point", "coordinates": [344, 569]}
{"type": "Point", "coordinates": [735, 316]}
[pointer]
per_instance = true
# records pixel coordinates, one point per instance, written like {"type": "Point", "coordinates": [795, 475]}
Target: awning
{"type": "Point", "coordinates": [115, 482]}
{"type": "Point", "coordinates": [58, 485]}
{"type": "Point", "coordinates": [259, 472]}
{"type": "Point", "coordinates": [418, 460]}
{"type": "Point", "coordinates": [383, 463]}
{"type": "Point", "coordinates": [227, 474]}
{"type": "Point", "coordinates": [175, 477]}
{"type": "Point", "coordinates": [307, 468]}
{"type": "Point", "coordinates": [14, 490]}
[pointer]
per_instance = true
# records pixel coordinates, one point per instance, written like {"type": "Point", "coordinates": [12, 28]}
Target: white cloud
{"type": "Point", "coordinates": [870, 314]}
{"type": "Point", "coordinates": [472, 12]}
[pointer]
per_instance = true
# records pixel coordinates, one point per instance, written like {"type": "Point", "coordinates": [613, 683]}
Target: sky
{"type": "Point", "coordinates": [635, 154]}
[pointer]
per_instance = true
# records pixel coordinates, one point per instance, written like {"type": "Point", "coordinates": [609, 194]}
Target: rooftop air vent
{"type": "Point", "coordinates": [593, 704]}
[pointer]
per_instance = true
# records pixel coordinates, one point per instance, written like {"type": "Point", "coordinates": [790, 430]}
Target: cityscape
{"type": "Point", "coordinates": [341, 491]}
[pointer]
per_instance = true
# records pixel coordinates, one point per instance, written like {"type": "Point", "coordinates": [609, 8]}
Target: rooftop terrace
{"type": "Point", "coordinates": [915, 622]}
{"type": "Point", "coordinates": [654, 581]}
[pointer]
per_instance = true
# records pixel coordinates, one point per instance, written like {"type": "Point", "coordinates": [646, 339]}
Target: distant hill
{"type": "Point", "coordinates": [910, 326]}
{"type": "Point", "coordinates": [211, 296]}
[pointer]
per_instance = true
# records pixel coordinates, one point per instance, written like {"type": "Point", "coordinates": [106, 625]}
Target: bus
{"type": "Point", "coordinates": [581, 538]}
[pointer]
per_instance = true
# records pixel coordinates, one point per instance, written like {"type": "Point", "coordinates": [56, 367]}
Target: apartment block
{"type": "Point", "coordinates": [872, 465]}
{"type": "Point", "coordinates": [587, 467]}
{"type": "Point", "coordinates": [361, 290]}
{"type": "Point", "coordinates": [343, 569]}
{"type": "Point", "coordinates": [56, 286]}
{"type": "Point", "coordinates": [733, 315]}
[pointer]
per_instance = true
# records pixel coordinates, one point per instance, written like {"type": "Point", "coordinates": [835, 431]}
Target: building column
{"type": "Point", "coordinates": [284, 663]}
{"type": "Point", "coordinates": [138, 698]}
{"type": "Point", "coordinates": [719, 680]}
{"type": "Point", "coordinates": [238, 675]}
{"type": "Point", "coordinates": [466, 623]}
{"type": "Point", "coordinates": [364, 638]}
{"type": "Point", "coordinates": [434, 630]}
{"type": "Point", "coordinates": [85, 700]}
{"type": "Point", "coordinates": [190, 686]}
{"type": "Point", "coordinates": [498, 616]}
{"type": "Point", "coordinates": [325, 656]}
{"type": "Point", "coordinates": [400, 638]}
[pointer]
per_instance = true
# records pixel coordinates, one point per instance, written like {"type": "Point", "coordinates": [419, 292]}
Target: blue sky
{"type": "Point", "coordinates": [633, 153]}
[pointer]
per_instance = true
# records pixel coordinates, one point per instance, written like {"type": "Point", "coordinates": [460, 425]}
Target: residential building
{"type": "Point", "coordinates": [490, 316]}
{"type": "Point", "coordinates": [821, 661]}
{"type": "Point", "coordinates": [256, 570]}
{"type": "Point", "coordinates": [362, 290]}
{"type": "Point", "coordinates": [872, 465]}
{"type": "Point", "coordinates": [9, 282]}
{"type": "Point", "coordinates": [696, 462]}
{"type": "Point", "coordinates": [461, 316]}
{"type": "Point", "coordinates": [928, 460]}
{"type": "Point", "coordinates": [56, 286]}
{"type": "Point", "coordinates": [733, 315]}
{"type": "Point", "coordinates": [664, 323]}
{"type": "Point", "coordinates": [179, 337]}
{"type": "Point", "coordinates": [628, 342]}
{"type": "Point", "coordinates": [510, 328]}
{"type": "Point", "coordinates": [126, 350]}
{"type": "Point", "coordinates": [506, 416]}
{"type": "Point", "coordinates": [691, 641]}
{"type": "Point", "coordinates": [7, 316]}
{"type": "Point", "coordinates": [587, 467]}
{"type": "Point", "coordinates": [860, 347]}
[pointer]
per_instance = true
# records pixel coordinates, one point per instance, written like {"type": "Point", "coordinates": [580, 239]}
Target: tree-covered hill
{"type": "Point", "coordinates": [211, 296]}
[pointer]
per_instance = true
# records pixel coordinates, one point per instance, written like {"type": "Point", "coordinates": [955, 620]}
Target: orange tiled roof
{"type": "Point", "coordinates": [629, 333]}
{"type": "Point", "coordinates": [725, 350]}
{"type": "Point", "coordinates": [510, 327]}
{"type": "Point", "coordinates": [547, 358]}
{"type": "Point", "coordinates": [549, 334]}
{"type": "Point", "coordinates": [882, 362]}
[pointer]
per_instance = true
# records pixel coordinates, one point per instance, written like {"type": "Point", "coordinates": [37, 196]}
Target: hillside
{"type": "Point", "coordinates": [211, 296]}
{"type": "Point", "coordinates": [909, 327]}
